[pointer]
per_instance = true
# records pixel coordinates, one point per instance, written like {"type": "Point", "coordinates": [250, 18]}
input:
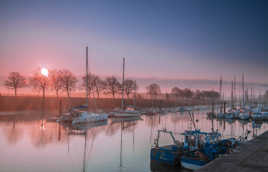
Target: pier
{"type": "Point", "coordinates": [248, 157]}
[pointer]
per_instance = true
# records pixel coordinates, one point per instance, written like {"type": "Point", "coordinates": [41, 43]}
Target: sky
{"type": "Point", "coordinates": [179, 39]}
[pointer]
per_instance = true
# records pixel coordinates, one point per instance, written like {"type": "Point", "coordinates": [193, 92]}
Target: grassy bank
{"type": "Point", "coordinates": [22, 103]}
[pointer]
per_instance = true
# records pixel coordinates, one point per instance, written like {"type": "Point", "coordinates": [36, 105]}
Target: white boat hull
{"type": "Point", "coordinates": [190, 166]}
{"type": "Point", "coordinates": [89, 118]}
{"type": "Point", "coordinates": [125, 115]}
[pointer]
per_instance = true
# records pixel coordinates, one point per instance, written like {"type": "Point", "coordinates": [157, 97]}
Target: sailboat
{"type": "Point", "coordinates": [124, 112]}
{"type": "Point", "coordinates": [86, 116]}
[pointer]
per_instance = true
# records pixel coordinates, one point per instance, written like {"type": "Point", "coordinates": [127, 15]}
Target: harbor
{"type": "Point", "coordinates": [133, 86]}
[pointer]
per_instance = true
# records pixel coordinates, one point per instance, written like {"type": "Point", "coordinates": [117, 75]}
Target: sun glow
{"type": "Point", "coordinates": [44, 72]}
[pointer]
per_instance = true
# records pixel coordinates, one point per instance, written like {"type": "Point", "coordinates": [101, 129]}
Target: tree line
{"type": "Point", "coordinates": [65, 81]}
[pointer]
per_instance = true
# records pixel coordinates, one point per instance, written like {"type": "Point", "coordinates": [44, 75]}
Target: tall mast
{"type": "Point", "coordinates": [232, 94]}
{"type": "Point", "coordinates": [220, 90]}
{"type": "Point", "coordinates": [243, 89]}
{"type": "Point", "coordinates": [123, 83]}
{"type": "Point", "coordinates": [235, 97]}
{"type": "Point", "coordinates": [220, 87]}
{"type": "Point", "coordinates": [87, 97]}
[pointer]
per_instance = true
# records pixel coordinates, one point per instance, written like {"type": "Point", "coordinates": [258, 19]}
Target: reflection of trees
{"type": "Point", "coordinates": [130, 126]}
{"type": "Point", "coordinates": [13, 134]}
{"type": "Point", "coordinates": [151, 121]}
{"type": "Point", "coordinates": [49, 133]}
{"type": "Point", "coordinates": [112, 129]}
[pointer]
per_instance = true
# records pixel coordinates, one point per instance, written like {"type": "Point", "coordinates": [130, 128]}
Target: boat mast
{"type": "Point", "coordinates": [243, 89]}
{"type": "Point", "coordinates": [87, 96]}
{"type": "Point", "coordinates": [220, 89]}
{"type": "Point", "coordinates": [123, 83]}
{"type": "Point", "coordinates": [232, 95]}
{"type": "Point", "coordinates": [235, 96]}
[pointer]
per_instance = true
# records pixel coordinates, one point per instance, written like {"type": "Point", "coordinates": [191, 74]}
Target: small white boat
{"type": "Point", "coordinates": [190, 165]}
{"type": "Point", "coordinates": [244, 115]}
{"type": "Point", "coordinates": [88, 117]}
{"type": "Point", "coordinates": [125, 114]}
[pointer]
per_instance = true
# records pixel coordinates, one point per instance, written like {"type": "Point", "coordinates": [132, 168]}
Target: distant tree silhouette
{"type": "Point", "coordinates": [187, 93]}
{"type": "Point", "coordinates": [177, 92]}
{"type": "Point", "coordinates": [55, 81]}
{"type": "Point", "coordinates": [91, 83]}
{"type": "Point", "coordinates": [112, 86]}
{"type": "Point", "coordinates": [130, 86]}
{"type": "Point", "coordinates": [68, 81]}
{"type": "Point", "coordinates": [39, 82]}
{"type": "Point", "coordinates": [100, 85]}
{"type": "Point", "coordinates": [15, 81]}
{"type": "Point", "coordinates": [211, 95]}
{"type": "Point", "coordinates": [153, 90]}
{"type": "Point", "coordinates": [266, 95]}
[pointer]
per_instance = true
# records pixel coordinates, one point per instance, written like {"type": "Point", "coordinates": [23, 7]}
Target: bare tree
{"type": "Point", "coordinates": [91, 83]}
{"type": "Point", "coordinates": [112, 86]}
{"type": "Point", "coordinates": [187, 93]}
{"type": "Point", "coordinates": [15, 80]}
{"type": "Point", "coordinates": [130, 86]}
{"type": "Point", "coordinates": [68, 81]}
{"type": "Point", "coordinates": [55, 81]}
{"type": "Point", "coordinates": [100, 85]}
{"type": "Point", "coordinates": [39, 82]}
{"type": "Point", "coordinates": [153, 90]}
{"type": "Point", "coordinates": [266, 95]}
{"type": "Point", "coordinates": [177, 92]}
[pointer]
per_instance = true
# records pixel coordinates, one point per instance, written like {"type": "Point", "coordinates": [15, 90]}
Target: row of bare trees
{"type": "Point", "coordinates": [65, 81]}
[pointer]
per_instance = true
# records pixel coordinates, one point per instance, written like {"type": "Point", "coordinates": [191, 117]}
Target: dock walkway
{"type": "Point", "coordinates": [249, 157]}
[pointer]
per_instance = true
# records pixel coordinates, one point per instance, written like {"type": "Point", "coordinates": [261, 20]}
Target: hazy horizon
{"type": "Point", "coordinates": [165, 84]}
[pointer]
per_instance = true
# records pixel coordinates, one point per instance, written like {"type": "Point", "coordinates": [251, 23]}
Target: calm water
{"type": "Point", "coordinates": [47, 146]}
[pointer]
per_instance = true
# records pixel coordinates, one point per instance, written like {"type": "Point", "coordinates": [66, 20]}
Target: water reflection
{"type": "Point", "coordinates": [116, 145]}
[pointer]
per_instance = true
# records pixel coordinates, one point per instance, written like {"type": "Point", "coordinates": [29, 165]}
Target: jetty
{"type": "Point", "coordinates": [248, 157]}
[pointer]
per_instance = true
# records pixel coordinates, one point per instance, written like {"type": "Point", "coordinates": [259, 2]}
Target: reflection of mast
{"type": "Point", "coordinates": [85, 150]}
{"type": "Point", "coordinates": [59, 132]}
{"type": "Point", "coordinates": [133, 145]}
{"type": "Point", "coordinates": [212, 124]}
{"type": "Point", "coordinates": [122, 124]}
{"type": "Point", "coordinates": [68, 142]}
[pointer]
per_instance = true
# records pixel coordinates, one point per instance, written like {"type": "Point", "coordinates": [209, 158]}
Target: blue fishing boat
{"type": "Point", "coordinates": [211, 149]}
{"type": "Point", "coordinates": [168, 154]}
{"type": "Point", "coordinates": [171, 154]}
